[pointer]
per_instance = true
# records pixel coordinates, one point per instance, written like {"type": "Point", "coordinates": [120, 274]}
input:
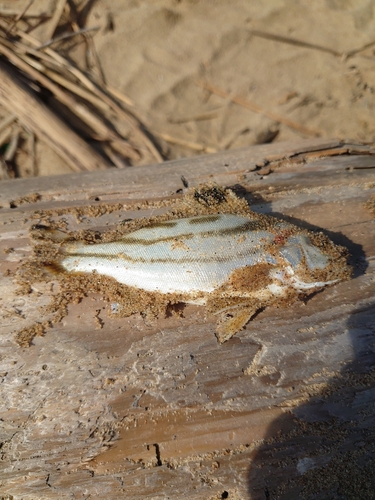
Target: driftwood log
{"type": "Point", "coordinates": [99, 407]}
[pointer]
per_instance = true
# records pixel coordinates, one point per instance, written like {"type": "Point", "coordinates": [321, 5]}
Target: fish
{"type": "Point", "coordinates": [233, 263]}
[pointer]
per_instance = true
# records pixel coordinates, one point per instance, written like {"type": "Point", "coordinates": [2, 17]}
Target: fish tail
{"type": "Point", "coordinates": [56, 239]}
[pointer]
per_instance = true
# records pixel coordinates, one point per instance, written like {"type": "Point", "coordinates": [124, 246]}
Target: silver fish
{"type": "Point", "coordinates": [201, 257]}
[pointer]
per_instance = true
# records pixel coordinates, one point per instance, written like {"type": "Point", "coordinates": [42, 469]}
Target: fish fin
{"type": "Point", "coordinates": [232, 321]}
{"type": "Point", "coordinates": [55, 268]}
{"type": "Point", "coordinates": [50, 247]}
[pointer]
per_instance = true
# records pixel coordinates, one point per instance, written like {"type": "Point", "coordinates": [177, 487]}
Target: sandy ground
{"type": "Point", "coordinates": [308, 62]}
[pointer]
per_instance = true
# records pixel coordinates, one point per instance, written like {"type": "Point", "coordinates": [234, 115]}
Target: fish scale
{"type": "Point", "coordinates": [190, 255]}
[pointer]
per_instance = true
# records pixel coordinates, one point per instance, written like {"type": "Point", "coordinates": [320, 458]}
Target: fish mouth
{"type": "Point", "coordinates": [302, 285]}
{"type": "Point", "coordinates": [289, 277]}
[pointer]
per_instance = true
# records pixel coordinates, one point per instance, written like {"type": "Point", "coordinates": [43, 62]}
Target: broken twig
{"type": "Point", "coordinates": [257, 109]}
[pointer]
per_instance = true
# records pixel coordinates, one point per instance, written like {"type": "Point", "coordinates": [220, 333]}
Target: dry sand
{"type": "Point", "coordinates": [308, 62]}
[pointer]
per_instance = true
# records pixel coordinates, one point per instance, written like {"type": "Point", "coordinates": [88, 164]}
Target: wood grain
{"type": "Point", "coordinates": [123, 408]}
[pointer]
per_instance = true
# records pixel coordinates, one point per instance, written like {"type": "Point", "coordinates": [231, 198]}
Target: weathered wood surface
{"type": "Point", "coordinates": [124, 409]}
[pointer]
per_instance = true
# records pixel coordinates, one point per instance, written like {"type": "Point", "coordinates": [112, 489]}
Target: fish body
{"type": "Point", "coordinates": [235, 263]}
{"type": "Point", "coordinates": [189, 255]}
{"type": "Point", "coordinates": [195, 254]}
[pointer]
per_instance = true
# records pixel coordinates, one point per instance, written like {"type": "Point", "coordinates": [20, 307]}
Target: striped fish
{"type": "Point", "coordinates": [234, 264]}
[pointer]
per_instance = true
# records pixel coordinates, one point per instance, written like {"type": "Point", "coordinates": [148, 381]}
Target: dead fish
{"type": "Point", "coordinates": [233, 264]}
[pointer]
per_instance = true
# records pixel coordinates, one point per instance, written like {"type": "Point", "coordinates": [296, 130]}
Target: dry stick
{"type": "Point", "coordinates": [32, 155]}
{"type": "Point", "coordinates": [92, 120]}
{"type": "Point", "coordinates": [186, 144]}
{"type": "Point", "coordinates": [20, 16]}
{"type": "Point", "coordinates": [65, 36]}
{"type": "Point", "coordinates": [92, 49]}
{"type": "Point", "coordinates": [122, 147]}
{"type": "Point", "coordinates": [83, 6]}
{"type": "Point", "coordinates": [22, 52]}
{"type": "Point", "coordinates": [31, 112]}
{"type": "Point", "coordinates": [115, 159]}
{"type": "Point", "coordinates": [354, 52]}
{"type": "Point", "coordinates": [73, 15]}
{"type": "Point", "coordinates": [294, 41]}
{"type": "Point", "coordinates": [120, 96]}
{"type": "Point", "coordinates": [307, 45]}
{"type": "Point", "coordinates": [90, 46]}
{"type": "Point", "coordinates": [129, 116]}
{"type": "Point", "coordinates": [7, 121]}
{"type": "Point", "coordinates": [13, 143]}
{"type": "Point", "coordinates": [233, 137]}
{"type": "Point", "coordinates": [58, 59]}
{"type": "Point", "coordinates": [257, 109]}
{"type": "Point", "coordinates": [55, 18]}
{"type": "Point", "coordinates": [54, 56]}
{"type": "Point", "coordinates": [208, 115]}
{"type": "Point", "coordinates": [5, 135]}
{"type": "Point", "coordinates": [75, 89]}
{"type": "Point", "coordinates": [103, 133]}
{"type": "Point", "coordinates": [5, 13]}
